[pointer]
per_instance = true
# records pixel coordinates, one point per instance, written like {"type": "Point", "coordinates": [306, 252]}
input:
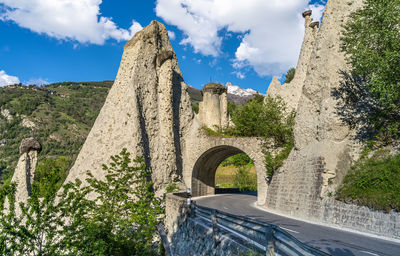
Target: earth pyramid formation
{"type": "Point", "coordinates": [324, 146]}
{"type": "Point", "coordinates": [291, 92]}
{"type": "Point", "coordinates": [146, 111]}
{"type": "Point", "coordinates": [25, 171]}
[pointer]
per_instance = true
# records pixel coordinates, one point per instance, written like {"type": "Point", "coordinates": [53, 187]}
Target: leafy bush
{"type": "Point", "coordinates": [373, 182]}
{"type": "Point", "coordinates": [238, 160]}
{"type": "Point", "coordinates": [119, 220]}
{"type": "Point", "coordinates": [268, 118]}
{"type": "Point", "coordinates": [50, 175]}
{"type": "Point", "coordinates": [273, 162]}
{"type": "Point", "coordinates": [173, 187]}
{"type": "Point", "coordinates": [245, 181]}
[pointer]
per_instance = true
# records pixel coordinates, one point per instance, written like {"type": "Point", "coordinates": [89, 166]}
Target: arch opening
{"type": "Point", "coordinates": [204, 171]}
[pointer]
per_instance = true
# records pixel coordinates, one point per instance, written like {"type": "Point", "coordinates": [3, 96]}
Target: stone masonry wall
{"type": "Point", "coordinates": [190, 236]}
{"type": "Point", "coordinates": [296, 192]}
{"type": "Point", "coordinates": [197, 238]}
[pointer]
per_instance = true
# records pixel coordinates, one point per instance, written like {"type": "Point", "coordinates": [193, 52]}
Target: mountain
{"type": "Point", "coordinates": [236, 90]}
{"type": "Point", "coordinates": [239, 96]}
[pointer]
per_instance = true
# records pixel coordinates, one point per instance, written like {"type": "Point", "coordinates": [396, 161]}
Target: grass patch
{"type": "Point", "coordinates": [373, 182]}
{"type": "Point", "coordinates": [232, 177]}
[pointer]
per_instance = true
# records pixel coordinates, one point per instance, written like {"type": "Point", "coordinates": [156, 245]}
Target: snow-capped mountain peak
{"type": "Point", "coordinates": [236, 90]}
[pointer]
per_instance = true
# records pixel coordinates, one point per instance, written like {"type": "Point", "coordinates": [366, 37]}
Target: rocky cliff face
{"type": "Point", "coordinates": [146, 111]}
{"type": "Point", "coordinates": [324, 146]}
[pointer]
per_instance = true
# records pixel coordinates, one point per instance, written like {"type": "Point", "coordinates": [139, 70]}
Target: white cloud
{"type": "Point", "coordinates": [76, 20]}
{"type": "Point", "coordinates": [239, 74]}
{"type": "Point", "coordinates": [272, 31]}
{"type": "Point", "coordinates": [171, 35]}
{"type": "Point", "coordinates": [7, 80]}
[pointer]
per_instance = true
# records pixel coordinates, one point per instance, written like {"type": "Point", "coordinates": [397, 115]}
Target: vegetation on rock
{"type": "Point", "coordinates": [120, 220]}
{"type": "Point", "coordinates": [371, 41]}
{"type": "Point", "coordinates": [370, 103]}
{"type": "Point", "coordinates": [290, 75]}
{"type": "Point", "coordinates": [373, 182]}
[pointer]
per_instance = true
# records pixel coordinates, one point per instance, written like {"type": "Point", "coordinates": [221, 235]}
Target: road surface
{"type": "Point", "coordinates": [331, 240]}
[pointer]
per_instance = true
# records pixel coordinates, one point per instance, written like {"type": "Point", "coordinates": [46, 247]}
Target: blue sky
{"type": "Point", "coordinates": [243, 42]}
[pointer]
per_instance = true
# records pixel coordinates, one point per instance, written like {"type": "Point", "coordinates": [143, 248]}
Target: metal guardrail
{"type": "Point", "coordinates": [264, 237]}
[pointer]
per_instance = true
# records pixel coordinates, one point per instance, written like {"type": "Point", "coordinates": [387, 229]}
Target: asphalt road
{"type": "Point", "coordinates": [331, 240]}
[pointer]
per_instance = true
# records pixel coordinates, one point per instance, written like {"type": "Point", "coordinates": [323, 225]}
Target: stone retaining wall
{"type": "Point", "coordinates": [189, 236]}
{"type": "Point", "coordinates": [360, 218]}
{"type": "Point", "coordinates": [295, 191]}
{"type": "Point", "coordinates": [197, 238]}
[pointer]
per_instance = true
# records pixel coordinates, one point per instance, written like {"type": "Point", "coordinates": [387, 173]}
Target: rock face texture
{"type": "Point", "coordinates": [213, 110]}
{"type": "Point", "coordinates": [291, 92]}
{"type": "Point", "coordinates": [324, 148]}
{"type": "Point", "coordinates": [24, 173]}
{"type": "Point", "coordinates": [146, 111]}
{"type": "Point", "coordinates": [29, 144]}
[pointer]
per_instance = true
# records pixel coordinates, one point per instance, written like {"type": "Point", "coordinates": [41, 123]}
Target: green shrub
{"type": "Point", "coordinates": [119, 219]}
{"type": "Point", "coordinates": [50, 175]}
{"type": "Point", "coordinates": [172, 187]}
{"type": "Point", "coordinates": [244, 180]}
{"type": "Point", "coordinates": [373, 182]}
{"type": "Point", "coordinates": [272, 163]}
{"type": "Point", "coordinates": [238, 160]}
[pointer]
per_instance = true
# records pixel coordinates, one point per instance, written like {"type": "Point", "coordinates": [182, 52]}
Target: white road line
{"type": "Point", "coordinates": [225, 207]}
{"type": "Point", "coordinates": [370, 253]}
{"type": "Point", "coordinates": [289, 230]}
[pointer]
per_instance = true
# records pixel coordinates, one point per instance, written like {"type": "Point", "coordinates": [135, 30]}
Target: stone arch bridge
{"type": "Point", "coordinates": [204, 154]}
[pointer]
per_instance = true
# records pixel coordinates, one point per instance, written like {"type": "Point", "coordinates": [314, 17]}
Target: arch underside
{"type": "Point", "coordinates": [203, 176]}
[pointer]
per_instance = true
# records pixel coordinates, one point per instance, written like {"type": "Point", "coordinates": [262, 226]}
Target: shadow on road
{"type": "Point", "coordinates": [234, 191]}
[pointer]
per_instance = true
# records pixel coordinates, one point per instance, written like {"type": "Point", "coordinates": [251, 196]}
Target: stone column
{"type": "Point", "coordinates": [213, 110]}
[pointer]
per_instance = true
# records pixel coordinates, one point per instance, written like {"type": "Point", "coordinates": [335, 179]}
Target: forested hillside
{"type": "Point", "coordinates": [59, 115]}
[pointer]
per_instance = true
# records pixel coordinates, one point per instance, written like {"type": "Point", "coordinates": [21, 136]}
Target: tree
{"type": "Point", "coordinates": [371, 41]}
{"type": "Point", "coordinates": [269, 119]}
{"type": "Point", "coordinates": [290, 75]}
{"type": "Point", "coordinates": [264, 117]}
{"type": "Point", "coordinates": [120, 218]}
